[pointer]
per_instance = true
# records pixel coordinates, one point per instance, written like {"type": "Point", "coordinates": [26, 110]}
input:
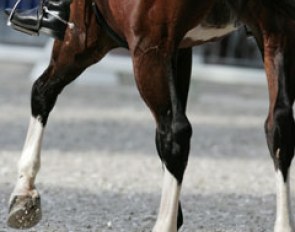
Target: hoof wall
{"type": "Point", "coordinates": [25, 212]}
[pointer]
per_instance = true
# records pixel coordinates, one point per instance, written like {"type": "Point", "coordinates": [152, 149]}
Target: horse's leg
{"type": "Point", "coordinates": [163, 83]}
{"type": "Point", "coordinates": [66, 65]}
{"type": "Point", "coordinates": [278, 52]}
{"type": "Point", "coordinates": [275, 36]}
{"type": "Point", "coordinates": [175, 156]}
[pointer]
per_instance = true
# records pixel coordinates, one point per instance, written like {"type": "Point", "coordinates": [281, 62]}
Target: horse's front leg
{"type": "Point", "coordinates": [66, 66]}
{"type": "Point", "coordinates": [173, 144]}
{"type": "Point", "coordinates": [160, 85]}
{"type": "Point", "coordinates": [25, 204]}
{"type": "Point", "coordinates": [280, 127]}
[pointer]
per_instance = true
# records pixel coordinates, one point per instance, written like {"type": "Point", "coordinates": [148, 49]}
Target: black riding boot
{"type": "Point", "coordinates": [50, 18]}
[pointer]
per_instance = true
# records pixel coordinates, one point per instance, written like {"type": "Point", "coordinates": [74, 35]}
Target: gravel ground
{"type": "Point", "coordinates": [100, 171]}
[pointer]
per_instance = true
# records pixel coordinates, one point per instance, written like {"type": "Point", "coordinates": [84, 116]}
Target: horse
{"type": "Point", "coordinates": [160, 35]}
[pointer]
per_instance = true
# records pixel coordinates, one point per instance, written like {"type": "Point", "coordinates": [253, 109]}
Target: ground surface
{"type": "Point", "coordinates": [100, 171]}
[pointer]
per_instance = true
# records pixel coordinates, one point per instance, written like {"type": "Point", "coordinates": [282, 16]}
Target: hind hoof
{"type": "Point", "coordinates": [25, 212]}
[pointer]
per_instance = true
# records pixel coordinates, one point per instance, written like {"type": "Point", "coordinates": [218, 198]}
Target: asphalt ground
{"type": "Point", "coordinates": [100, 171]}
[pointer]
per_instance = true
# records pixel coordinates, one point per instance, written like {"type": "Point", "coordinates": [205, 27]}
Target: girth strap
{"type": "Point", "coordinates": [110, 32]}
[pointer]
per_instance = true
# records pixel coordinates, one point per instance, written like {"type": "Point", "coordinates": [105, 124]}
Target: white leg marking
{"type": "Point", "coordinates": [167, 218]}
{"type": "Point", "coordinates": [29, 163]}
{"type": "Point", "coordinates": [284, 219]}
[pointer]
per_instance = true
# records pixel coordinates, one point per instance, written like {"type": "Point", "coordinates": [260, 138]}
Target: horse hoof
{"type": "Point", "coordinates": [25, 212]}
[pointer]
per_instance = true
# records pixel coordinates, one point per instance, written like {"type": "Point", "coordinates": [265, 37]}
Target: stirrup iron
{"type": "Point", "coordinates": [16, 27]}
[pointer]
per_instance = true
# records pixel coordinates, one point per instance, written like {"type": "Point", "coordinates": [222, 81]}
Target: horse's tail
{"type": "Point", "coordinates": [283, 7]}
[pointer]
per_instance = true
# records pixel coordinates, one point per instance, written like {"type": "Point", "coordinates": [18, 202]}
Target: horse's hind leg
{"type": "Point", "coordinates": [163, 83]}
{"type": "Point", "coordinates": [279, 62]}
{"type": "Point", "coordinates": [66, 65]}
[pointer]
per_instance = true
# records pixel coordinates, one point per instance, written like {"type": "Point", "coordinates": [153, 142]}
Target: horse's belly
{"type": "Point", "coordinates": [202, 34]}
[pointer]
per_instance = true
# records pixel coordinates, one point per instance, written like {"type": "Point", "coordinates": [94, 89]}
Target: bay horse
{"type": "Point", "coordinates": [160, 35]}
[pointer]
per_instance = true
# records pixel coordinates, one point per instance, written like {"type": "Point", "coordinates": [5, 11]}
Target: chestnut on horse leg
{"type": "Point", "coordinates": [69, 59]}
{"type": "Point", "coordinates": [163, 83]}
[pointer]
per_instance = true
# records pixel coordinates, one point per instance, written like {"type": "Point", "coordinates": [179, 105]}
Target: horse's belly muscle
{"type": "Point", "coordinates": [202, 34]}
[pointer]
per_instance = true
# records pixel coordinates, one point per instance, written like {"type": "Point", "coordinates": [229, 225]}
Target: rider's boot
{"type": "Point", "coordinates": [50, 18]}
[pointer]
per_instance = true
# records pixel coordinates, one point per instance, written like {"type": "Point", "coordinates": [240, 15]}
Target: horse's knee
{"type": "Point", "coordinates": [181, 129]}
{"type": "Point", "coordinates": [280, 133]}
{"type": "Point", "coordinates": [280, 129]}
{"type": "Point", "coordinates": [173, 143]}
{"type": "Point", "coordinates": [44, 95]}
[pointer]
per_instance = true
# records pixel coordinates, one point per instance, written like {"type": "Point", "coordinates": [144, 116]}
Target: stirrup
{"type": "Point", "coordinates": [40, 13]}
{"type": "Point", "coordinates": [20, 28]}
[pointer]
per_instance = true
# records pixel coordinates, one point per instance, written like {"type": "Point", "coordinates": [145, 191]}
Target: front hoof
{"type": "Point", "coordinates": [25, 212]}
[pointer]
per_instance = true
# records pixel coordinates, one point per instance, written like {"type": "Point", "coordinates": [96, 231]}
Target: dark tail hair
{"type": "Point", "coordinates": [283, 7]}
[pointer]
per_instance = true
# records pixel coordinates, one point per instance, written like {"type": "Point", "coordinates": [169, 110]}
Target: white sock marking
{"type": "Point", "coordinates": [284, 218]}
{"type": "Point", "coordinates": [167, 218]}
{"type": "Point", "coordinates": [29, 163]}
